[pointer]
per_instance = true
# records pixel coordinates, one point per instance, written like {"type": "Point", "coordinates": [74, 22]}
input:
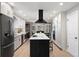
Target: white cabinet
{"type": "Point", "coordinates": [6, 9]}
{"type": "Point", "coordinates": [17, 42]}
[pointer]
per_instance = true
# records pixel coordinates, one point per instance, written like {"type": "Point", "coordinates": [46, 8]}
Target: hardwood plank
{"type": "Point", "coordinates": [24, 51]}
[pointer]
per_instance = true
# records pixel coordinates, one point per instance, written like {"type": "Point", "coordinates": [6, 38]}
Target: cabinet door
{"type": "Point", "coordinates": [34, 48]}
{"type": "Point", "coordinates": [39, 48]}
{"type": "Point", "coordinates": [6, 9]}
{"type": "Point", "coordinates": [43, 48]}
{"type": "Point", "coordinates": [17, 42]}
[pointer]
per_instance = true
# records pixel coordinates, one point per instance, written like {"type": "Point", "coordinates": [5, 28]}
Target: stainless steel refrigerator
{"type": "Point", "coordinates": [6, 36]}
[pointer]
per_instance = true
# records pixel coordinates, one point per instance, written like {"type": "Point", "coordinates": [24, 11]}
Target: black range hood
{"type": "Point", "coordinates": [40, 19]}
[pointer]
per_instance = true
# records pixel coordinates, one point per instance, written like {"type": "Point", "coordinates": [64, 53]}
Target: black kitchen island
{"type": "Point", "coordinates": [39, 45]}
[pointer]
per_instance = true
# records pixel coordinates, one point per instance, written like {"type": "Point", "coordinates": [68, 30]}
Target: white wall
{"type": "Point", "coordinates": [57, 23]}
{"type": "Point", "coordinates": [63, 31]}
{"type": "Point", "coordinates": [60, 26]}
{"type": "Point", "coordinates": [58, 32]}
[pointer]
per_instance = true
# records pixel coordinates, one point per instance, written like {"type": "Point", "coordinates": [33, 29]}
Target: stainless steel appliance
{"type": "Point", "coordinates": [6, 36]}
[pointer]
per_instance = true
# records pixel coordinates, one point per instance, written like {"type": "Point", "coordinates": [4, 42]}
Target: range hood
{"type": "Point", "coordinates": [40, 19]}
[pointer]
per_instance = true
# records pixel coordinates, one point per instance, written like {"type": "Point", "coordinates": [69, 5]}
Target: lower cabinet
{"type": "Point", "coordinates": [17, 42]}
{"type": "Point", "coordinates": [39, 48]}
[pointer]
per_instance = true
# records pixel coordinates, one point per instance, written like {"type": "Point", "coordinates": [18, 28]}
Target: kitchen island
{"type": "Point", "coordinates": [39, 45]}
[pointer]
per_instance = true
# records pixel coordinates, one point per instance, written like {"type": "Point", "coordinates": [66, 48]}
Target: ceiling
{"type": "Point", "coordinates": [29, 10]}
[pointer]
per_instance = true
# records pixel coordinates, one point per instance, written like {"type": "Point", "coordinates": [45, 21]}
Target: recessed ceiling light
{"type": "Point", "coordinates": [24, 15]}
{"type": "Point", "coordinates": [20, 11]}
{"type": "Point", "coordinates": [54, 11]}
{"type": "Point", "coordinates": [61, 4]}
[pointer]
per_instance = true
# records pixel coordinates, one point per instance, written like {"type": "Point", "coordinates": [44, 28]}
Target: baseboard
{"type": "Point", "coordinates": [68, 53]}
{"type": "Point", "coordinates": [57, 46]}
{"type": "Point", "coordinates": [61, 48]}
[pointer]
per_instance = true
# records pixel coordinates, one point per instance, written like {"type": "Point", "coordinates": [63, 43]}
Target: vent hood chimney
{"type": "Point", "coordinates": [40, 19]}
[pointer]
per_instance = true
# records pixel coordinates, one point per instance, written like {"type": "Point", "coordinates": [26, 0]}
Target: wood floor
{"type": "Point", "coordinates": [24, 51]}
{"type": "Point", "coordinates": [58, 53]}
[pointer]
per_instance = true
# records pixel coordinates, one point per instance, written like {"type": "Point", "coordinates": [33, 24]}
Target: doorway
{"type": "Point", "coordinates": [72, 33]}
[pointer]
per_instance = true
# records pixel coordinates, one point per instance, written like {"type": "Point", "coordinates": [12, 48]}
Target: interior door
{"type": "Point", "coordinates": [72, 33]}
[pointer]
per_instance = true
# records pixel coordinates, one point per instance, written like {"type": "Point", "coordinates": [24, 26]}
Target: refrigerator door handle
{"type": "Point", "coordinates": [8, 45]}
{"type": "Point", "coordinates": [7, 34]}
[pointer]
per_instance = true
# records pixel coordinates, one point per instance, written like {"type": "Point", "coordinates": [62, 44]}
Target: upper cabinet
{"type": "Point", "coordinates": [19, 26]}
{"type": "Point", "coordinates": [6, 9]}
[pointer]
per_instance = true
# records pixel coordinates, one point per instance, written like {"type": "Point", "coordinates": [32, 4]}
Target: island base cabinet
{"type": "Point", "coordinates": [39, 48]}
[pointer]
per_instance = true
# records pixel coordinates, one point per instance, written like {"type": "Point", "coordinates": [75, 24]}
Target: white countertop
{"type": "Point", "coordinates": [18, 34]}
{"type": "Point", "coordinates": [40, 36]}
